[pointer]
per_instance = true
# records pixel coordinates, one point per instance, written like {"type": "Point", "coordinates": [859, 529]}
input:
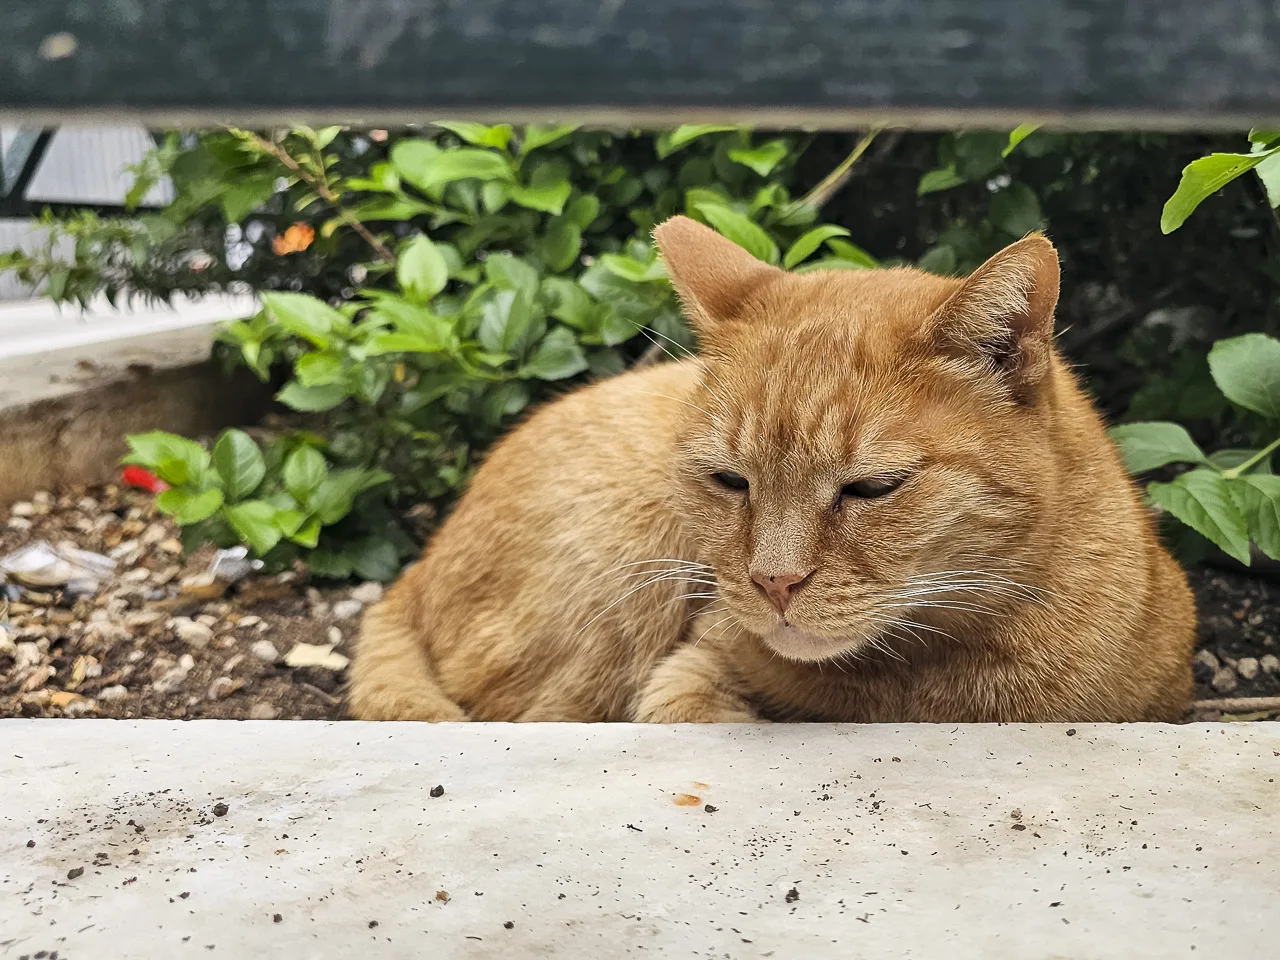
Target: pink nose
{"type": "Point", "coordinates": [780, 587]}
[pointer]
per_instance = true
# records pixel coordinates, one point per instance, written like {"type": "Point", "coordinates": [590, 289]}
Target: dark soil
{"type": "Point", "coordinates": [134, 647]}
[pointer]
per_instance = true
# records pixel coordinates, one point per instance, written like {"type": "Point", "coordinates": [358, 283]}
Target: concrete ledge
{"type": "Point", "coordinates": [73, 383]}
{"type": "Point", "coordinates": [581, 841]}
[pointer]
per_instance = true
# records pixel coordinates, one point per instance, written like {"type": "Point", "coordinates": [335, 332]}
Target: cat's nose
{"type": "Point", "coordinates": [781, 587]}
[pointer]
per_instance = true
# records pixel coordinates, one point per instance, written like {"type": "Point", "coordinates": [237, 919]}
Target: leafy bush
{"type": "Point", "coordinates": [1229, 497]}
{"type": "Point", "coordinates": [421, 288]}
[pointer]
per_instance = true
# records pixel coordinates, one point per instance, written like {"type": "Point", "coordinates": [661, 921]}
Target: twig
{"type": "Point", "coordinates": [829, 185]}
{"type": "Point", "coordinates": [1240, 704]}
{"type": "Point", "coordinates": [327, 697]}
{"type": "Point", "coordinates": [321, 186]}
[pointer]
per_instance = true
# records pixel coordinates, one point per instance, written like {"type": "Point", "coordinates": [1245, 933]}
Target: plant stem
{"type": "Point", "coordinates": [321, 186]}
{"type": "Point", "coordinates": [1252, 461]}
{"type": "Point", "coordinates": [833, 181]}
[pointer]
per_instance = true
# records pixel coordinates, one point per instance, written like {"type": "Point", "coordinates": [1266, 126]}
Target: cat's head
{"type": "Point", "coordinates": [865, 455]}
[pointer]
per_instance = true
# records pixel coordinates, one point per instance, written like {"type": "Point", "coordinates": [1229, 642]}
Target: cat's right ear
{"type": "Point", "coordinates": [713, 276]}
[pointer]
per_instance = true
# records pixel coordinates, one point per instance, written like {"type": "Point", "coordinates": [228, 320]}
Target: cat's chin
{"type": "Point", "coordinates": [796, 643]}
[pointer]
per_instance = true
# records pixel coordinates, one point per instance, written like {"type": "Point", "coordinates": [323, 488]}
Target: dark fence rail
{"type": "Point", "coordinates": [1132, 63]}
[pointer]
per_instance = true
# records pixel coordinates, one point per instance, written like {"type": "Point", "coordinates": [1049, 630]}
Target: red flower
{"type": "Point", "coordinates": [144, 478]}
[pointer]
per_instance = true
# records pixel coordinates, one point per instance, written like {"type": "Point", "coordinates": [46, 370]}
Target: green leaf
{"type": "Point", "coordinates": [1203, 178]}
{"type": "Point", "coordinates": [548, 190]}
{"type": "Point", "coordinates": [568, 302]}
{"type": "Point", "coordinates": [242, 198]}
{"type": "Point", "coordinates": [311, 399]}
{"type": "Point", "coordinates": [935, 180]}
{"type": "Point", "coordinates": [332, 564]}
{"type": "Point", "coordinates": [319, 369]}
{"type": "Point", "coordinates": [561, 244]}
{"type": "Point", "coordinates": [374, 558]}
{"type": "Point", "coordinates": [558, 356]}
{"type": "Point", "coordinates": [669, 143]}
{"type": "Point", "coordinates": [303, 473]}
{"type": "Point", "coordinates": [187, 506]}
{"type": "Point", "coordinates": [1019, 134]}
{"type": "Point", "coordinates": [811, 241]}
{"type": "Point", "coordinates": [1146, 446]}
{"type": "Point", "coordinates": [175, 460]}
{"type": "Point", "coordinates": [479, 134]}
{"type": "Point", "coordinates": [289, 519]}
{"type": "Point", "coordinates": [507, 323]}
{"type": "Point", "coordinates": [1263, 137]}
{"type": "Point", "coordinates": [536, 136]}
{"type": "Point", "coordinates": [1258, 497]}
{"type": "Point", "coordinates": [421, 270]}
{"type": "Point", "coordinates": [1247, 371]}
{"type": "Point", "coordinates": [1268, 172]}
{"type": "Point", "coordinates": [381, 344]}
{"type": "Point", "coordinates": [430, 169]}
{"type": "Point", "coordinates": [738, 228]}
{"type": "Point", "coordinates": [391, 208]}
{"type": "Point", "coordinates": [255, 522]}
{"type": "Point", "coordinates": [582, 210]}
{"type": "Point", "coordinates": [508, 272]}
{"type": "Point", "coordinates": [335, 496]}
{"type": "Point", "coordinates": [977, 153]}
{"type": "Point", "coordinates": [853, 253]}
{"type": "Point", "coordinates": [1016, 210]}
{"type": "Point", "coordinates": [628, 268]}
{"type": "Point", "coordinates": [305, 316]}
{"type": "Point", "coordinates": [1202, 500]}
{"type": "Point", "coordinates": [239, 462]}
{"type": "Point", "coordinates": [308, 534]}
{"type": "Point", "coordinates": [940, 260]}
{"type": "Point", "coordinates": [761, 159]}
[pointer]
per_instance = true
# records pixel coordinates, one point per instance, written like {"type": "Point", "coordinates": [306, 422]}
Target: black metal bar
{"type": "Point", "coordinates": [18, 167]}
{"type": "Point", "coordinates": [1098, 63]}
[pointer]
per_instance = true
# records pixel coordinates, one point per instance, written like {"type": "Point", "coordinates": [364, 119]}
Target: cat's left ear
{"type": "Point", "coordinates": [1002, 315]}
{"type": "Point", "coordinates": [712, 275]}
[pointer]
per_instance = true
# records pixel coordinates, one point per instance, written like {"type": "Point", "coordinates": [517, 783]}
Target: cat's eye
{"type": "Point", "coordinates": [730, 480]}
{"type": "Point", "coordinates": [873, 487]}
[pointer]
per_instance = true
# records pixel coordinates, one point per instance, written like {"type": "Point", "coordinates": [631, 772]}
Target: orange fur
{"type": "Point", "coordinates": [597, 570]}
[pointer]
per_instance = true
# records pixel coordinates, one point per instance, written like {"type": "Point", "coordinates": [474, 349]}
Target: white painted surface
{"type": "Point", "coordinates": [47, 351]}
{"type": "Point", "coordinates": [1140, 841]}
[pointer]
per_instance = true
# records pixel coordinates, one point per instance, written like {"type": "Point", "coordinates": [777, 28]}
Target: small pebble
{"type": "Point", "coordinates": [335, 635]}
{"type": "Point", "coordinates": [509, 925]}
{"type": "Point", "coordinates": [22, 510]}
{"type": "Point", "coordinates": [20, 524]}
{"type": "Point", "coordinates": [437, 791]}
{"type": "Point", "coordinates": [75, 873]}
{"type": "Point", "coordinates": [1225, 680]}
{"type": "Point", "coordinates": [347, 609]}
{"type": "Point", "coordinates": [170, 682]}
{"type": "Point", "coordinates": [367, 593]}
{"type": "Point", "coordinates": [263, 711]}
{"type": "Point", "coordinates": [249, 621]}
{"type": "Point", "coordinates": [1206, 658]}
{"type": "Point", "coordinates": [265, 651]}
{"type": "Point", "coordinates": [222, 688]}
{"type": "Point", "coordinates": [115, 692]}
{"type": "Point", "coordinates": [220, 809]}
{"type": "Point", "coordinates": [1270, 663]}
{"type": "Point", "coordinates": [277, 918]}
{"type": "Point", "coordinates": [189, 631]}
{"type": "Point", "coordinates": [1247, 667]}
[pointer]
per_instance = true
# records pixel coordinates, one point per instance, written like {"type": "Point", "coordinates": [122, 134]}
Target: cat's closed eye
{"type": "Point", "coordinates": [730, 480]}
{"type": "Point", "coordinates": [873, 487]}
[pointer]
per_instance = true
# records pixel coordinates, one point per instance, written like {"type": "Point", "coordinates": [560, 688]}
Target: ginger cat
{"type": "Point", "coordinates": [878, 495]}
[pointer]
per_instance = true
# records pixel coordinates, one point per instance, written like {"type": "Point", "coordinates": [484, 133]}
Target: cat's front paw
{"type": "Point", "coordinates": [693, 709]}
